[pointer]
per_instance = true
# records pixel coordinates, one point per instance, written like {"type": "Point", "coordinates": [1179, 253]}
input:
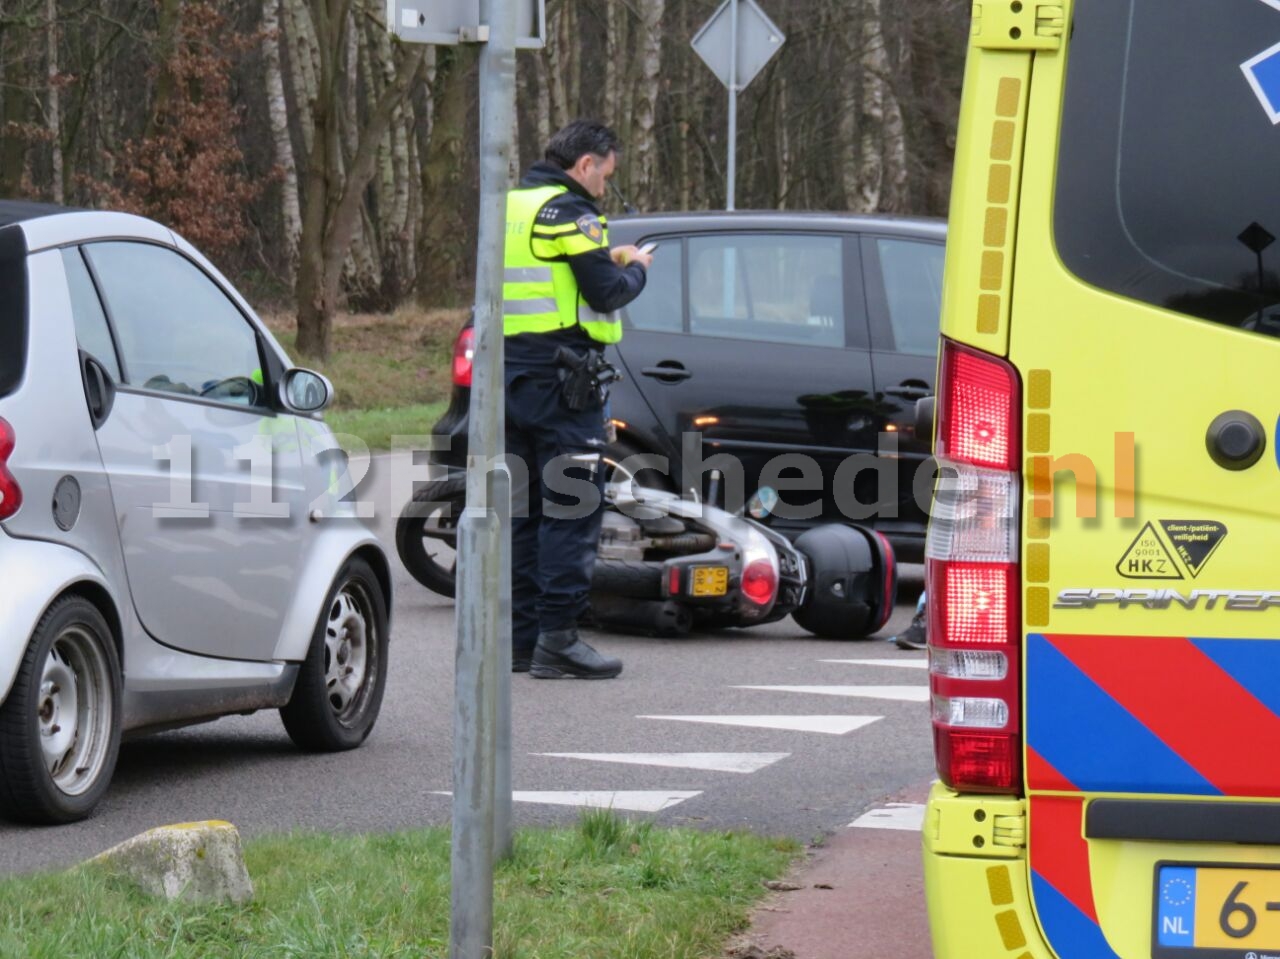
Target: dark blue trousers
{"type": "Point", "coordinates": [557, 480]}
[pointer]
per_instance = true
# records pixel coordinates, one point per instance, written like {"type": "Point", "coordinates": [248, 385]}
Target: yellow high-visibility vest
{"type": "Point", "coordinates": [539, 291]}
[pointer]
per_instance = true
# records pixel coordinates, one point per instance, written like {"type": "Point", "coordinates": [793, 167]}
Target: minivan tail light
{"type": "Point", "coordinates": [10, 491]}
{"type": "Point", "coordinates": [973, 574]}
{"type": "Point", "coordinates": [464, 351]}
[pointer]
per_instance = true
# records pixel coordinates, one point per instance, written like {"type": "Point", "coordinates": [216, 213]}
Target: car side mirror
{"type": "Point", "coordinates": [305, 391]}
{"type": "Point", "coordinates": [762, 503]}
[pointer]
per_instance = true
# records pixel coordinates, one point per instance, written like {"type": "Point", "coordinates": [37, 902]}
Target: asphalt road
{"type": "Point", "coordinates": [245, 770]}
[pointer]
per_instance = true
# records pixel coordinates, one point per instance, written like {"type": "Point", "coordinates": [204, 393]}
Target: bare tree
{"type": "Point", "coordinates": [333, 201]}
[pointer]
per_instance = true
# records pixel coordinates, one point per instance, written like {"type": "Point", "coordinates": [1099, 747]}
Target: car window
{"type": "Point", "coordinates": [912, 274]}
{"type": "Point", "coordinates": [660, 307]}
{"type": "Point", "coordinates": [1173, 207]}
{"type": "Point", "coordinates": [178, 332]}
{"type": "Point", "coordinates": [13, 308]}
{"type": "Point", "coordinates": [775, 287]}
{"type": "Point", "coordinates": [92, 331]}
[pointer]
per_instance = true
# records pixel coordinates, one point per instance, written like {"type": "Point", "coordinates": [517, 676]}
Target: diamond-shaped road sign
{"type": "Point", "coordinates": [758, 40]}
{"type": "Point", "coordinates": [454, 21]}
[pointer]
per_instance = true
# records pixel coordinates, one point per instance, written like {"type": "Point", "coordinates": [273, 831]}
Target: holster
{"type": "Point", "coordinates": [584, 378]}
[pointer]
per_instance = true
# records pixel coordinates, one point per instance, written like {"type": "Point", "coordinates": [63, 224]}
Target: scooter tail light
{"type": "Point", "coordinates": [760, 582]}
{"type": "Point", "coordinates": [10, 491]}
{"type": "Point", "coordinates": [464, 351]}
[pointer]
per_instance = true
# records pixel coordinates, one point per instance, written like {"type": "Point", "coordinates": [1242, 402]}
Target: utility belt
{"type": "Point", "coordinates": [585, 378]}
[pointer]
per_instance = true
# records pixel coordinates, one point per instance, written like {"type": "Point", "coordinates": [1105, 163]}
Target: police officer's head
{"type": "Point", "coordinates": [588, 152]}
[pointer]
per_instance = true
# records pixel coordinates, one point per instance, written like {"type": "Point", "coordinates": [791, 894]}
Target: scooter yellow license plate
{"type": "Point", "coordinates": [709, 581]}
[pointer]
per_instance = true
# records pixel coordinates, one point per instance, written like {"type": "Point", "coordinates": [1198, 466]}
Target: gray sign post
{"type": "Point", "coordinates": [482, 664]}
{"type": "Point", "coordinates": [736, 42]}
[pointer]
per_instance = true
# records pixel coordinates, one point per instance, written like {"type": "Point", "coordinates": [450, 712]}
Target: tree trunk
{"type": "Point", "coordinates": [864, 183]}
{"type": "Point", "coordinates": [278, 117]}
{"type": "Point", "coordinates": [558, 52]}
{"type": "Point", "coordinates": [53, 112]}
{"type": "Point", "coordinates": [333, 202]}
{"type": "Point", "coordinates": [446, 245]}
{"type": "Point", "coordinates": [644, 147]}
{"type": "Point", "coordinates": [303, 67]}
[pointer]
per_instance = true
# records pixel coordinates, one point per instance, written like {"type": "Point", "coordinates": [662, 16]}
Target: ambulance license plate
{"type": "Point", "coordinates": [710, 581]}
{"type": "Point", "coordinates": [1208, 912]}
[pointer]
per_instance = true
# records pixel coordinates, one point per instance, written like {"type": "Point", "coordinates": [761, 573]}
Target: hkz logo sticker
{"type": "Point", "coordinates": [1186, 545]}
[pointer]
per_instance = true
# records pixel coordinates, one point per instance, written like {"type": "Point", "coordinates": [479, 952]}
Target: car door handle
{"type": "Point", "coordinates": [668, 371]}
{"type": "Point", "coordinates": [910, 391]}
{"type": "Point", "coordinates": [99, 389]}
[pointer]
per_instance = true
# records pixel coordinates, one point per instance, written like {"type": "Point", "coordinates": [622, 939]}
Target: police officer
{"type": "Point", "coordinates": [561, 286]}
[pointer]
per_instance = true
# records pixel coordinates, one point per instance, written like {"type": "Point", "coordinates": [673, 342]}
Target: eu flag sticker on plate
{"type": "Point", "coordinates": [1263, 74]}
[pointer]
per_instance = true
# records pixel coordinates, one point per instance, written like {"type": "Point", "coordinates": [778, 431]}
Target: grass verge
{"type": "Point", "coordinates": [608, 888]}
{"type": "Point", "coordinates": [377, 361]}
{"type": "Point", "coordinates": [377, 427]}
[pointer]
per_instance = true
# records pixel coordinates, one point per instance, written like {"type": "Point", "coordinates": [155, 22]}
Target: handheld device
{"type": "Point", "coordinates": [648, 248]}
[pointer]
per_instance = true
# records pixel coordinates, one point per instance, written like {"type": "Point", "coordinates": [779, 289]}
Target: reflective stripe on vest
{"type": "Point", "coordinates": [540, 294]}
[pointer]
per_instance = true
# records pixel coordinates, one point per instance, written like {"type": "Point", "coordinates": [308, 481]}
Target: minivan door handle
{"type": "Point", "coordinates": [668, 371]}
{"type": "Point", "coordinates": [99, 389]}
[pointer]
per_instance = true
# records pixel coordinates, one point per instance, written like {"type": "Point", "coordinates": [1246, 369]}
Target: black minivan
{"type": "Point", "coordinates": [797, 343]}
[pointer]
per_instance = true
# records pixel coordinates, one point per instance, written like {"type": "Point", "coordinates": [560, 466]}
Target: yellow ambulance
{"type": "Point", "coordinates": [1103, 561]}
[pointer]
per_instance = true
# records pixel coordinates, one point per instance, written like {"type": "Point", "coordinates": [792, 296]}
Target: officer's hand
{"type": "Point", "coordinates": [623, 255]}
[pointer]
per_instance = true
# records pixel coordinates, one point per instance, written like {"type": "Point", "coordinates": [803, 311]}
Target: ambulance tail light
{"type": "Point", "coordinates": [973, 575]}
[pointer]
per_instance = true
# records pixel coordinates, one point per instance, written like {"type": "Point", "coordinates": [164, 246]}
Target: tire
{"type": "Point", "coordinates": [432, 559]}
{"type": "Point", "coordinates": [339, 689]}
{"type": "Point", "coordinates": [618, 452]}
{"type": "Point", "coordinates": [634, 579]}
{"type": "Point", "coordinates": [60, 726]}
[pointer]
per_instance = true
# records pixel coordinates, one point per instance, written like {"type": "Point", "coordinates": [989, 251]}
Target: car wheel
{"type": "Point", "coordinates": [428, 543]}
{"type": "Point", "coordinates": [60, 726]}
{"type": "Point", "coordinates": [339, 689]}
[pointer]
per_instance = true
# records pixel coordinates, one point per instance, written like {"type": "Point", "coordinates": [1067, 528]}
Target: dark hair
{"type": "Point", "coordinates": [579, 138]}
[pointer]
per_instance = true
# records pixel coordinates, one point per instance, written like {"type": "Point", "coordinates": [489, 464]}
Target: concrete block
{"type": "Point", "coordinates": [196, 860]}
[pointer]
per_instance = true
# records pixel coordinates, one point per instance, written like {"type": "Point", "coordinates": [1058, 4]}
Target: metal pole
{"type": "Point", "coordinates": [481, 556]}
{"type": "Point", "coordinates": [731, 187]}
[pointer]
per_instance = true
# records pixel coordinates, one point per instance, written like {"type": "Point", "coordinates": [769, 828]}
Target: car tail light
{"type": "Point", "coordinates": [464, 351]}
{"type": "Point", "coordinates": [973, 574]}
{"type": "Point", "coordinates": [10, 491]}
{"type": "Point", "coordinates": [760, 582]}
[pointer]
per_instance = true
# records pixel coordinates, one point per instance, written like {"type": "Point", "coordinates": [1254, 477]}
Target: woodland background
{"type": "Point", "coordinates": [324, 165]}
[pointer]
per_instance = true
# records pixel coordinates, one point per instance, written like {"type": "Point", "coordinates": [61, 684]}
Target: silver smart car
{"type": "Point", "coordinates": [174, 541]}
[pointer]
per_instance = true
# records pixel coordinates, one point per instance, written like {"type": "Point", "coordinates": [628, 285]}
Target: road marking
{"type": "Point", "coordinates": [906, 694]}
{"type": "Point", "coordinates": [900, 663]}
{"type": "Point", "coordinates": [713, 762]}
{"type": "Point", "coordinates": [833, 725]}
{"type": "Point", "coordinates": [627, 801]}
{"type": "Point", "coordinates": [895, 815]}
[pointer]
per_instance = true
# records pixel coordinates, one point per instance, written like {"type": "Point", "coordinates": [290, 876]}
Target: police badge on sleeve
{"type": "Point", "coordinates": [591, 226]}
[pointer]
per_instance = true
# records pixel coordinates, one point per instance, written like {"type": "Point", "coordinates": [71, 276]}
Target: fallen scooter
{"type": "Point", "coordinates": [668, 565]}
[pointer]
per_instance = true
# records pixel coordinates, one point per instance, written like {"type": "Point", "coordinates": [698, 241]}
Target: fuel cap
{"type": "Point", "coordinates": [1236, 440]}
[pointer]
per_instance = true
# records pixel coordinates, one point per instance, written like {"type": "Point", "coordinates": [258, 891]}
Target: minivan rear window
{"type": "Point", "coordinates": [1167, 187]}
{"type": "Point", "coordinates": [13, 308]}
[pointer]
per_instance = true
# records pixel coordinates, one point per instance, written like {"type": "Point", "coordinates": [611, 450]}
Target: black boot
{"type": "Point", "coordinates": [521, 660]}
{"type": "Point", "coordinates": [560, 654]}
